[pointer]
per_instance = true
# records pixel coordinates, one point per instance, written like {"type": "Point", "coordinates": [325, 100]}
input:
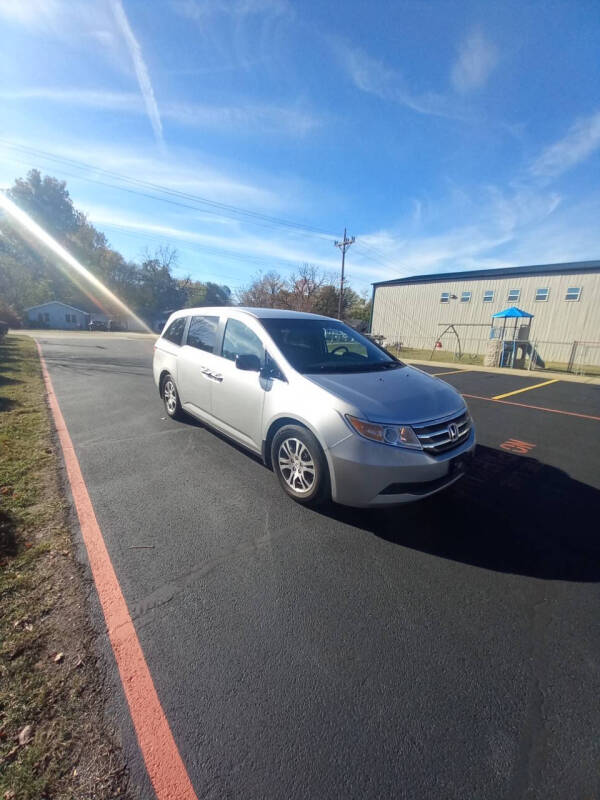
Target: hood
{"type": "Point", "coordinates": [399, 395]}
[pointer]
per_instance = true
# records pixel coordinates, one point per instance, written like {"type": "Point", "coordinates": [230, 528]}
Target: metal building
{"type": "Point", "coordinates": [564, 299]}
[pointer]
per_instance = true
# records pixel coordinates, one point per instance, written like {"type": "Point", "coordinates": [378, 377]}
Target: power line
{"type": "Point", "coordinates": [220, 252]}
{"type": "Point", "coordinates": [225, 209]}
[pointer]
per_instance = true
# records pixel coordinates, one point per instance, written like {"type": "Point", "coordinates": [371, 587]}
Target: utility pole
{"type": "Point", "coordinates": [343, 245]}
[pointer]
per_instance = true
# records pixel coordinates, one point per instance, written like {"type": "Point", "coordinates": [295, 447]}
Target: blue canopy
{"type": "Point", "coordinates": [513, 311]}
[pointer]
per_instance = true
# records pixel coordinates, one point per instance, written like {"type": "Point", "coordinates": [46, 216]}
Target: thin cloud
{"type": "Point", "coordinates": [30, 14]}
{"type": "Point", "coordinates": [200, 10]}
{"type": "Point", "coordinates": [183, 171]}
{"type": "Point", "coordinates": [264, 118]}
{"type": "Point", "coordinates": [248, 118]}
{"type": "Point", "coordinates": [141, 69]}
{"type": "Point", "coordinates": [88, 98]}
{"type": "Point", "coordinates": [582, 139]}
{"type": "Point", "coordinates": [477, 57]}
{"type": "Point", "coordinates": [373, 77]}
{"type": "Point", "coordinates": [501, 221]}
{"type": "Point", "coordinates": [268, 248]}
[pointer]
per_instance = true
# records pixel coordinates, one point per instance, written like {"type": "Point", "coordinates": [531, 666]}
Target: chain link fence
{"type": "Point", "coordinates": [579, 358]}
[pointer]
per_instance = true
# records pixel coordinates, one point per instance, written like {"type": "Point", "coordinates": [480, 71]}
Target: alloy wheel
{"type": "Point", "coordinates": [296, 465]}
{"type": "Point", "coordinates": [170, 396]}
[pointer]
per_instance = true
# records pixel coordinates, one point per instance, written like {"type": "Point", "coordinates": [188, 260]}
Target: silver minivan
{"type": "Point", "coordinates": [333, 414]}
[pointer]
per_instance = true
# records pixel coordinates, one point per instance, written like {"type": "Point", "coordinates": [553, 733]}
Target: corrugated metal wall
{"type": "Point", "coordinates": [412, 313]}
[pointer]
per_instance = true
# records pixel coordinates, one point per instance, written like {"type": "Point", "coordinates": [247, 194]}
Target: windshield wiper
{"type": "Point", "coordinates": [347, 368]}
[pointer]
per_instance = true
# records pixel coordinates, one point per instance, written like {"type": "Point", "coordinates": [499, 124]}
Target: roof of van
{"type": "Point", "coordinates": [259, 313]}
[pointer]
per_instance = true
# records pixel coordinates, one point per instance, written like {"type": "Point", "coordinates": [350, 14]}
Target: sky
{"type": "Point", "coordinates": [248, 133]}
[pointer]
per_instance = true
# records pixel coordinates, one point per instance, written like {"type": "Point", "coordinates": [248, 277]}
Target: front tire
{"type": "Point", "coordinates": [300, 465]}
{"type": "Point", "coordinates": [171, 398]}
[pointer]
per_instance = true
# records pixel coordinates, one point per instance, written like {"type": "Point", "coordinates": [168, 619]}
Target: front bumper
{"type": "Point", "coordinates": [365, 473]}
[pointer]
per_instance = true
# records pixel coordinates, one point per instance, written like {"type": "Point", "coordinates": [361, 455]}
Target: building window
{"type": "Point", "coordinates": [573, 293]}
{"type": "Point", "coordinates": [488, 296]}
{"type": "Point", "coordinates": [465, 297]}
{"type": "Point", "coordinates": [541, 295]}
{"type": "Point", "coordinates": [445, 297]}
{"type": "Point", "coordinates": [514, 295]}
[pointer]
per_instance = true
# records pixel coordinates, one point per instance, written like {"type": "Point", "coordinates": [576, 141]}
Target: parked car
{"type": "Point", "coordinates": [333, 414]}
{"type": "Point", "coordinates": [116, 325]}
{"type": "Point", "coordinates": [98, 325]}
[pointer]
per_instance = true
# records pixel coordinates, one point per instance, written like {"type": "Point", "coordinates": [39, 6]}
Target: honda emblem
{"type": "Point", "coordinates": [453, 431]}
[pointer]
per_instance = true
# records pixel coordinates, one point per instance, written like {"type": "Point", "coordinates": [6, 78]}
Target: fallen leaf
{"type": "Point", "coordinates": [9, 795]}
{"type": "Point", "coordinates": [25, 734]}
{"type": "Point", "coordinates": [12, 753]}
{"type": "Point", "coordinates": [58, 657]}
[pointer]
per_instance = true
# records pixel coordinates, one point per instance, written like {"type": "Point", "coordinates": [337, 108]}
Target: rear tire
{"type": "Point", "coordinates": [300, 465]}
{"type": "Point", "coordinates": [170, 398]}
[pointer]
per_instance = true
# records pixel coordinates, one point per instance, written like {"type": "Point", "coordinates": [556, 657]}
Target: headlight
{"type": "Point", "coordinates": [395, 435]}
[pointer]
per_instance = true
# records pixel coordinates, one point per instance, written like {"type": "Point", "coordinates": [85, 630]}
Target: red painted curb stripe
{"type": "Point", "coordinates": [537, 408]}
{"type": "Point", "coordinates": [163, 761]}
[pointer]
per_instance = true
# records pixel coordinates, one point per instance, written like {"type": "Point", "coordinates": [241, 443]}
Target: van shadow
{"type": "Point", "coordinates": [510, 514]}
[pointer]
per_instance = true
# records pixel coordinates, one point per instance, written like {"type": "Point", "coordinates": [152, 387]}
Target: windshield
{"type": "Point", "coordinates": [326, 345]}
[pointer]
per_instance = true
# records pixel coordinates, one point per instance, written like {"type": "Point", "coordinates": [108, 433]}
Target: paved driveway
{"type": "Point", "coordinates": [449, 649]}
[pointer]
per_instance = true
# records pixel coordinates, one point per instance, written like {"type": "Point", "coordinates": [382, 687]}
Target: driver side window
{"type": "Point", "coordinates": [239, 340]}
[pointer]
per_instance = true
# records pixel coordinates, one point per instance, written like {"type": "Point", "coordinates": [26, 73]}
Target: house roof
{"type": "Point", "coordinates": [500, 272]}
{"type": "Point", "coordinates": [57, 303]}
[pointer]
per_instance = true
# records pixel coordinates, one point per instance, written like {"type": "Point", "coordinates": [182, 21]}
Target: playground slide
{"type": "Point", "coordinates": [536, 359]}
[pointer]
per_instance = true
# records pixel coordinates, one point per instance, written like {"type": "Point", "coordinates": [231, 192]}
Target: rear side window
{"type": "Point", "coordinates": [175, 331]}
{"type": "Point", "coordinates": [202, 333]}
{"type": "Point", "coordinates": [239, 340]}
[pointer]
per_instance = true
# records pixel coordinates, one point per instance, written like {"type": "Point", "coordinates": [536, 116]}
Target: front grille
{"type": "Point", "coordinates": [435, 437]}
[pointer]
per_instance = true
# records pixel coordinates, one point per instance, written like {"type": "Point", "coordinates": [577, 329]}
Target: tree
{"type": "Point", "coordinates": [158, 290]}
{"type": "Point", "coordinates": [327, 301]}
{"type": "Point", "coordinates": [304, 287]}
{"type": "Point", "coordinates": [47, 201]}
{"type": "Point", "coordinates": [265, 291]}
{"type": "Point", "coordinates": [205, 294]}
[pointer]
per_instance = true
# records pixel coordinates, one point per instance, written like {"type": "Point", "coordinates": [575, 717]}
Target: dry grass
{"type": "Point", "coordinates": [49, 676]}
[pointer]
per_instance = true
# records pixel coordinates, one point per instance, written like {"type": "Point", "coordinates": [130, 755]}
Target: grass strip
{"type": "Point", "coordinates": [54, 740]}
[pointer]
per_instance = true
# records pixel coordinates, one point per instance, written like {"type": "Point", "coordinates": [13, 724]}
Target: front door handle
{"type": "Point", "coordinates": [214, 376]}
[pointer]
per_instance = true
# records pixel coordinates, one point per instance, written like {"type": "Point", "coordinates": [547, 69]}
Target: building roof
{"type": "Point", "coordinates": [56, 303]}
{"type": "Point", "coordinates": [513, 311]}
{"type": "Point", "coordinates": [500, 272]}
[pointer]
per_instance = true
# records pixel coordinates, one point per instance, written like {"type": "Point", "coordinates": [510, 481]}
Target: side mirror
{"type": "Point", "coordinates": [249, 363]}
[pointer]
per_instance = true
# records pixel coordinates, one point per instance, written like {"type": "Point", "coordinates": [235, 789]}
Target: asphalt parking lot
{"type": "Point", "coordinates": [446, 649]}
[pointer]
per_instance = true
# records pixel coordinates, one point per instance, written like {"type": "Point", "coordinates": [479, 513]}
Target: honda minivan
{"type": "Point", "coordinates": [333, 414]}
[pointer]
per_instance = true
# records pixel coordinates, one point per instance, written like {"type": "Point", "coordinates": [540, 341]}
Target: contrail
{"type": "Point", "coordinates": [24, 221]}
{"type": "Point", "coordinates": [141, 70]}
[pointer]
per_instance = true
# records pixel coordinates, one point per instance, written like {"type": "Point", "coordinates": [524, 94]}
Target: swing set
{"type": "Point", "coordinates": [451, 328]}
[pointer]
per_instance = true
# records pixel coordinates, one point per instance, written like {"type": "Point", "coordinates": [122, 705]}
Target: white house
{"type": "Point", "coordinates": [55, 314]}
